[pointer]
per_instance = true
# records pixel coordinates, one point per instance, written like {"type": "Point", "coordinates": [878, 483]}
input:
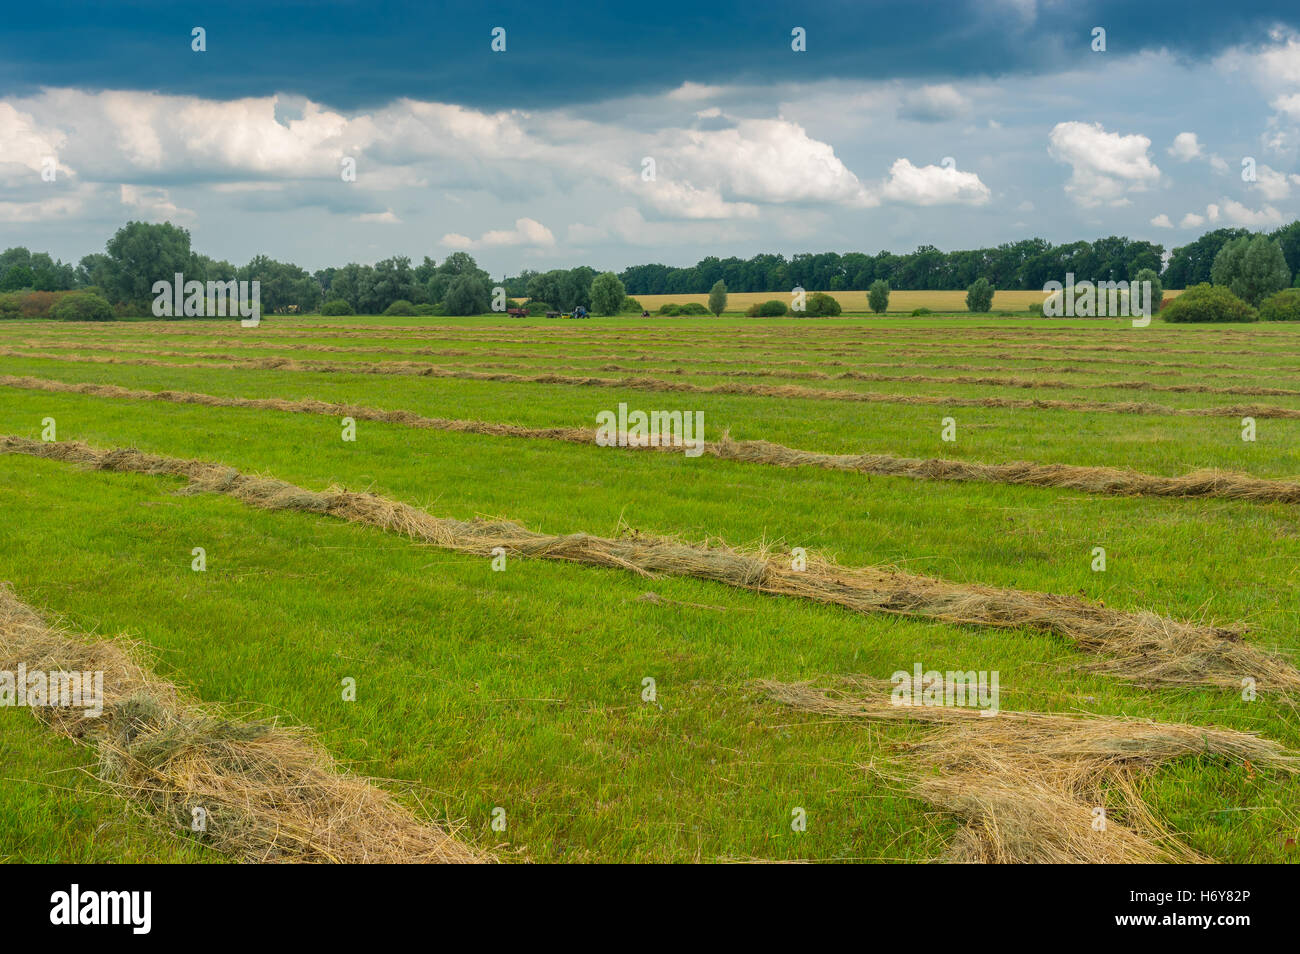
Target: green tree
{"type": "Point", "coordinates": [979, 296]}
{"type": "Point", "coordinates": [16, 277]}
{"type": "Point", "coordinates": [607, 294]}
{"type": "Point", "coordinates": [1252, 268]}
{"type": "Point", "coordinates": [878, 297]}
{"type": "Point", "coordinates": [467, 295]}
{"type": "Point", "coordinates": [140, 254]}
{"type": "Point", "coordinates": [1157, 289]}
{"type": "Point", "coordinates": [718, 297]}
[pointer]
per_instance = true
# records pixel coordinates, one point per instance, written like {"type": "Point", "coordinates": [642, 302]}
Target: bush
{"type": "Point", "coordinates": [820, 305]}
{"type": "Point", "coordinates": [1205, 302]}
{"type": "Point", "coordinates": [772, 308]}
{"type": "Point", "coordinates": [671, 309]}
{"type": "Point", "coordinates": [979, 296]}
{"type": "Point", "coordinates": [878, 297]}
{"type": "Point", "coordinates": [631, 306]}
{"type": "Point", "coordinates": [918, 312]}
{"type": "Point", "coordinates": [38, 304]}
{"type": "Point", "coordinates": [693, 308]}
{"type": "Point", "coordinates": [425, 310]}
{"type": "Point", "coordinates": [400, 307]}
{"type": "Point", "coordinates": [11, 305]}
{"type": "Point", "coordinates": [1284, 306]}
{"type": "Point", "coordinates": [538, 308]}
{"type": "Point", "coordinates": [336, 306]}
{"type": "Point", "coordinates": [80, 306]}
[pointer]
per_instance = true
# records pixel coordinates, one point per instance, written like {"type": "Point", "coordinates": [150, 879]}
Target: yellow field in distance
{"type": "Point", "coordinates": [856, 301]}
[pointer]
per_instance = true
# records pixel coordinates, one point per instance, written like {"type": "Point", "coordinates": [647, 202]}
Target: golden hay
{"type": "Point", "coordinates": [1026, 784]}
{"type": "Point", "coordinates": [1141, 646]}
{"type": "Point", "coordinates": [270, 793]}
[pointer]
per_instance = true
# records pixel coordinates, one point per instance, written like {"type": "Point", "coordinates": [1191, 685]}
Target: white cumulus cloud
{"type": "Point", "coordinates": [933, 185]}
{"type": "Point", "coordinates": [1185, 147]}
{"type": "Point", "coordinates": [1105, 166]}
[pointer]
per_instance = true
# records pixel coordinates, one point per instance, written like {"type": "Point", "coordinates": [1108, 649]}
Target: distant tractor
{"type": "Point", "coordinates": [580, 312]}
{"type": "Point", "coordinates": [517, 312]}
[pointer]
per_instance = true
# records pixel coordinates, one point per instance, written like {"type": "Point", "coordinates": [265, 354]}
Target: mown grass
{"type": "Point", "coordinates": [523, 689]}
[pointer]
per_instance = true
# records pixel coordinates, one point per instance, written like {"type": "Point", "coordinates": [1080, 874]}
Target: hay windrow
{"type": "Point", "coordinates": [1096, 480]}
{"type": "Point", "coordinates": [640, 383]}
{"type": "Point", "coordinates": [1140, 646]}
{"type": "Point", "coordinates": [700, 367]}
{"type": "Point", "coordinates": [270, 793]}
{"type": "Point", "coordinates": [1025, 784]}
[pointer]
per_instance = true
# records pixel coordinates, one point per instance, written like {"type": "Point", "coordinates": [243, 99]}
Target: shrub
{"type": "Point", "coordinates": [820, 304]}
{"type": "Point", "coordinates": [38, 304]}
{"type": "Point", "coordinates": [425, 309]}
{"type": "Point", "coordinates": [1205, 302]}
{"type": "Point", "coordinates": [631, 306]}
{"type": "Point", "coordinates": [538, 308]}
{"type": "Point", "coordinates": [400, 307]}
{"type": "Point", "coordinates": [918, 312]}
{"type": "Point", "coordinates": [878, 297]}
{"type": "Point", "coordinates": [80, 306]}
{"type": "Point", "coordinates": [607, 294]}
{"type": "Point", "coordinates": [336, 306]}
{"type": "Point", "coordinates": [718, 297]}
{"type": "Point", "coordinates": [11, 305]}
{"type": "Point", "coordinates": [773, 308]}
{"type": "Point", "coordinates": [671, 309]}
{"type": "Point", "coordinates": [979, 296]}
{"type": "Point", "coordinates": [1284, 306]}
{"type": "Point", "coordinates": [693, 308]}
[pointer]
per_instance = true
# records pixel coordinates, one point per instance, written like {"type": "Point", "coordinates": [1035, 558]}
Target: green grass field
{"type": "Point", "coordinates": [522, 689]}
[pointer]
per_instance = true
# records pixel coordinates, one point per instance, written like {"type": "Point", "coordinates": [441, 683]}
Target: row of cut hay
{"type": "Point", "coordinates": [865, 339]}
{"type": "Point", "coordinates": [792, 391]}
{"type": "Point", "coordinates": [769, 359]}
{"type": "Point", "coordinates": [848, 331]}
{"type": "Point", "coordinates": [1025, 784]}
{"type": "Point", "coordinates": [1113, 481]}
{"type": "Point", "coordinates": [1140, 646]}
{"type": "Point", "coordinates": [270, 793]}
{"type": "Point", "coordinates": [694, 368]}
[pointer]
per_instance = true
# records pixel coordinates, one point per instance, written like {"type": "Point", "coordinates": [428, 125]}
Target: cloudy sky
{"type": "Point", "coordinates": [616, 134]}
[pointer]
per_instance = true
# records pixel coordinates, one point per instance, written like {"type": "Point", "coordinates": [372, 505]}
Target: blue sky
{"type": "Point", "coordinates": [954, 124]}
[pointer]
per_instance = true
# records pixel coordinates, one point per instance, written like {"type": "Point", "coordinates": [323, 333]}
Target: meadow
{"type": "Point", "coordinates": [548, 705]}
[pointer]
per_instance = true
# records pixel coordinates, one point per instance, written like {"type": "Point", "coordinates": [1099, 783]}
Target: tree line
{"type": "Point", "coordinates": [141, 253]}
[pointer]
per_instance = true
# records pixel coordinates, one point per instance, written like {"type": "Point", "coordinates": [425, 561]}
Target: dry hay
{"type": "Point", "coordinates": [769, 358]}
{"type": "Point", "coordinates": [1096, 480]}
{"type": "Point", "coordinates": [270, 792]}
{"type": "Point", "coordinates": [1140, 646]}
{"type": "Point", "coordinates": [1025, 784]}
{"type": "Point", "coordinates": [791, 391]}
